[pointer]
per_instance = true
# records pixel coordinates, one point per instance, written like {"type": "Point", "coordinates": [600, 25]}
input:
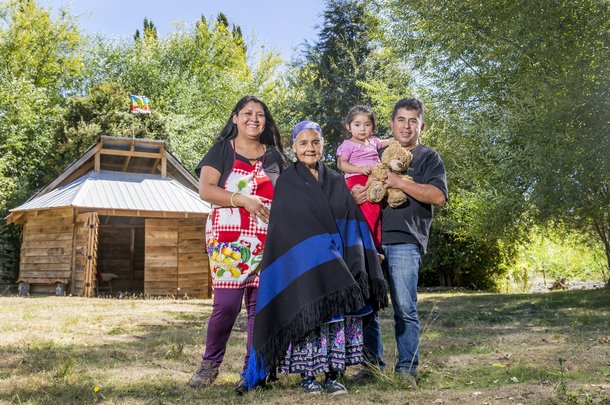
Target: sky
{"type": "Point", "coordinates": [278, 25]}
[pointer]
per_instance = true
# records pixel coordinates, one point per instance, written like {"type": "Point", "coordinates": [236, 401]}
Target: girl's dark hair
{"type": "Point", "coordinates": [271, 133]}
{"type": "Point", "coordinates": [359, 109]}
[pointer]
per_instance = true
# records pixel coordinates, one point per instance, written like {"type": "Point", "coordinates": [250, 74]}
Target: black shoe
{"type": "Point", "coordinates": [311, 386]}
{"type": "Point", "coordinates": [334, 387]}
{"type": "Point", "coordinates": [240, 389]}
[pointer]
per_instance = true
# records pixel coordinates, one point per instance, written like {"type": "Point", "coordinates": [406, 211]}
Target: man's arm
{"type": "Point", "coordinates": [425, 193]}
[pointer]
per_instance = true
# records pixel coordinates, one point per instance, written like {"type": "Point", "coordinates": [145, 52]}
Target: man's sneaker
{"type": "Point", "coordinates": [205, 375]}
{"type": "Point", "coordinates": [361, 376]}
{"type": "Point", "coordinates": [311, 386]}
{"type": "Point", "coordinates": [409, 380]}
{"type": "Point", "coordinates": [334, 387]}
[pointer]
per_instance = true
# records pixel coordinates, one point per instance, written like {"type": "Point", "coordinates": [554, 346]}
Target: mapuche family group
{"type": "Point", "coordinates": [310, 257]}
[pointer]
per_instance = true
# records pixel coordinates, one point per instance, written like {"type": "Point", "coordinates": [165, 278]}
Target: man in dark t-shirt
{"type": "Point", "coordinates": [404, 238]}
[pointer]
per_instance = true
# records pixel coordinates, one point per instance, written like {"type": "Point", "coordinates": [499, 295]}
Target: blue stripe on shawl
{"type": "Point", "coordinates": [295, 262]}
{"type": "Point", "coordinates": [355, 232]}
{"type": "Point", "coordinates": [307, 255]}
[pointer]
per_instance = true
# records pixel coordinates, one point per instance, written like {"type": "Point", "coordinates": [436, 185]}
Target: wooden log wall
{"type": "Point", "coordinates": [193, 265]}
{"type": "Point", "coordinates": [175, 260]}
{"type": "Point", "coordinates": [46, 249]}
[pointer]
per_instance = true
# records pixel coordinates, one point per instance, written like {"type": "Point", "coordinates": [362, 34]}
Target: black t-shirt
{"type": "Point", "coordinates": [410, 223]}
{"type": "Point", "coordinates": [220, 157]}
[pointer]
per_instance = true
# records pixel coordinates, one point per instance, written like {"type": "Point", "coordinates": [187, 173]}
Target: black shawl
{"type": "Point", "coordinates": [319, 261]}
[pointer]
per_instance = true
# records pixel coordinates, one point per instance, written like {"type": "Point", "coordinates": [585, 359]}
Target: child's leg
{"type": "Point", "coordinates": [370, 211]}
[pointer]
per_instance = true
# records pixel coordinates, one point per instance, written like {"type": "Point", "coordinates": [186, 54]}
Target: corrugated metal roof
{"type": "Point", "coordinates": [121, 190]}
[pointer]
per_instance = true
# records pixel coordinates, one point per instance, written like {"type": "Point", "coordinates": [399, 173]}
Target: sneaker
{"type": "Point", "coordinates": [334, 387]}
{"type": "Point", "coordinates": [361, 376]}
{"type": "Point", "coordinates": [311, 386]}
{"type": "Point", "coordinates": [205, 374]}
{"type": "Point", "coordinates": [409, 380]}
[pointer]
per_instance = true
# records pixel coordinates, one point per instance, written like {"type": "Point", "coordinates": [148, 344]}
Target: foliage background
{"type": "Point", "coordinates": [516, 98]}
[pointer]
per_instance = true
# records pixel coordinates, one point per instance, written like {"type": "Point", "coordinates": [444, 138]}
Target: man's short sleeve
{"type": "Point", "coordinates": [434, 173]}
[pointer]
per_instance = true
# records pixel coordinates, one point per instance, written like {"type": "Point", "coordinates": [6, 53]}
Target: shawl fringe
{"type": "Point", "coordinates": [308, 318]}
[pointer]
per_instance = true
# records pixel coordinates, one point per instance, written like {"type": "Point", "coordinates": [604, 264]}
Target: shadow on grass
{"type": "Point", "coordinates": [563, 312]}
{"type": "Point", "coordinates": [162, 354]}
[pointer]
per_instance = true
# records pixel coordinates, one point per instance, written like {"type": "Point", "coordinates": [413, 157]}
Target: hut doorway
{"type": "Point", "coordinates": [120, 261]}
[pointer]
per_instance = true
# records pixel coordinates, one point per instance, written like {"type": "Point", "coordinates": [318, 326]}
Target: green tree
{"type": "Point", "coordinates": [525, 84]}
{"type": "Point", "coordinates": [193, 77]}
{"type": "Point", "coordinates": [331, 70]}
{"type": "Point", "coordinates": [40, 63]}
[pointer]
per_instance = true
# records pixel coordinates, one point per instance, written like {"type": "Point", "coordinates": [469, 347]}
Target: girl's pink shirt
{"type": "Point", "coordinates": [358, 154]}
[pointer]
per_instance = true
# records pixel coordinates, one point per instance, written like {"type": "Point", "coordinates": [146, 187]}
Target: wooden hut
{"type": "Point", "coordinates": [125, 217]}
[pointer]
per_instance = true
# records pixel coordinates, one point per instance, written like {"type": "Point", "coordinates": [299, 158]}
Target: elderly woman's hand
{"type": "Point", "coordinates": [359, 193]}
{"type": "Point", "coordinates": [255, 205]}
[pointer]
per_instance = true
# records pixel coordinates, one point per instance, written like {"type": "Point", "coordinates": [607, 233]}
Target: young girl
{"type": "Point", "coordinates": [357, 155]}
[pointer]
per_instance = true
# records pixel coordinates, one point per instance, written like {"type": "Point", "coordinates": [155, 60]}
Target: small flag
{"type": "Point", "coordinates": [139, 104]}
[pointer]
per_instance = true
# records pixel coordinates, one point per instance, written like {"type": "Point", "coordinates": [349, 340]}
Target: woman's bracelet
{"type": "Point", "coordinates": [233, 196]}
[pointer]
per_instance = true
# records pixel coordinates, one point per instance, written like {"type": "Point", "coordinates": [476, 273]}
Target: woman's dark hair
{"type": "Point", "coordinates": [271, 133]}
{"type": "Point", "coordinates": [359, 109]}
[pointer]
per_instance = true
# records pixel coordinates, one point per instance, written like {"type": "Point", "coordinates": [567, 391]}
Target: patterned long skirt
{"type": "Point", "coordinates": [331, 347]}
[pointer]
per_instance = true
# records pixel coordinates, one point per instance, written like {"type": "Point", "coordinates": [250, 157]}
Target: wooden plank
{"type": "Point", "coordinates": [160, 244]}
{"type": "Point", "coordinates": [38, 229]}
{"type": "Point", "coordinates": [170, 278]}
{"type": "Point", "coordinates": [193, 270]}
{"type": "Point", "coordinates": [51, 220]}
{"type": "Point", "coordinates": [46, 259]}
{"type": "Point", "coordinates": [170, 285]}
{"type": "Point", "coordinates": [45, 267]}
{"type": "Point", "coordinates": [161, 222]}
{"type": "Point", "coordinates": [46, 244]}
{"type": "Point", "coordinates": [47, 236]}
{"type": "Point", "coordinates": [191, 227]}
{"type": "Point", "coordinates": [161, 264]}
{"type": "Point", "coordinates": [191, 256]}
{"type": "Point", "coordinates": [161, 251]}
{"type": "Point", "coordinates": [44, 274]}
{"type": "Point", "coordinates": [161, 234]}
{"type": "Point", "coordinates": [192, 235]}
{"type": "Point", "coordinates": [42, 252]}
{"type": "Point", "coordinates": [117, 152]}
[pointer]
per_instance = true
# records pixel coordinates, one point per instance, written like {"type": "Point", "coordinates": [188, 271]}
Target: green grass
{"type": "Point", "coordinates": [475, 348]}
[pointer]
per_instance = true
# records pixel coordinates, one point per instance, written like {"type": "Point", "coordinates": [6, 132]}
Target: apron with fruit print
{"type": "Point", "coordinates": [234, 237]}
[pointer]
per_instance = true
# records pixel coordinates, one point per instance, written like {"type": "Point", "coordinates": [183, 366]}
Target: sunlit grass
{"type": "Point", "coordinates": [474, 346]}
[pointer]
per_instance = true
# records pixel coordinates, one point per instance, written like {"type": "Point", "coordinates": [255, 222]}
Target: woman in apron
{"type": "Point", "coordinates": [237, 176]}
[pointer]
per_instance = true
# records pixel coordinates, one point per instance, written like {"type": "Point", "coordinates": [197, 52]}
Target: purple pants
{"type": "Point", "coordinates": [226, 307]}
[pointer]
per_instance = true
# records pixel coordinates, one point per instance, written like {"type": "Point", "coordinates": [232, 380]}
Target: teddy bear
{"type": "Point", "coordinates": [394, 158]}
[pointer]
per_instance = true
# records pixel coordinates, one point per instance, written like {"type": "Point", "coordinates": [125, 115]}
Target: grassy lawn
{"type": "Point", "coordinates": [551, 348]}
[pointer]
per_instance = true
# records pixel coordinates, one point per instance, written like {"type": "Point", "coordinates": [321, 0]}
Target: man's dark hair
{"type": "Point", "coordinates": [409, 104]}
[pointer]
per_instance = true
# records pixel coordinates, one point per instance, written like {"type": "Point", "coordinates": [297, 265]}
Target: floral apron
{"type": "Point", "coordinates": [234, 237]}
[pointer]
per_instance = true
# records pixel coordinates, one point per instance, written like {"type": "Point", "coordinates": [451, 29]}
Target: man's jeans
{"type": "Point", "coordinates": [401, 265]}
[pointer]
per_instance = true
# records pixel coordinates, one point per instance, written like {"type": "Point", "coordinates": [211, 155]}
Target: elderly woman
{"type": "Point", "coordinates": [237, 176]}
{"type": "Point", "coordinates": [319, 264]}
